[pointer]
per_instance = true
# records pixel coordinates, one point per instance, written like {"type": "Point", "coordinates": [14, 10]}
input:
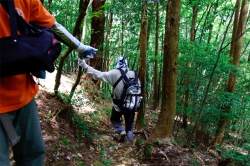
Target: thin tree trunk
{"type": "Point", "coordinates": [59, 70]}
{"type": "Point", "coordinates": [212, 21]}
{"type": "Point", "coordinates": [187, 80]}
{"type": "Point", "coordinates": [156, 78]}
{"type": "Point", "coordinates": [209, 83]}
{"type": "Point", "coordinates": [109, 21]}
{"type": "Point", "coordinates": [217, 36]}
{"type": "Point", "coordinates": [243, 52]}
{"type": "Point", "coordinates": [194, 16]}
{"type": "Point", "coordinates": [69, 50]}
{"type": "Point", "coordinates": [205, 23]}
{"type": "Point", "coordinates": [232, 76]}
{"type": "Point", "coordinates": [164, 126]}
{"type": "Point", "coordinates": [142, 71]}
{"type": "Point", "coordinates": [79, 74]}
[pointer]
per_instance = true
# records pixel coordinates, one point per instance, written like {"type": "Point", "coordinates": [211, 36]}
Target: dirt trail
{"type": "Point", "coordinates": [64, 147]}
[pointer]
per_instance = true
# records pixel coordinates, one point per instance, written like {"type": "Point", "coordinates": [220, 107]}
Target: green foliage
{"type": "Point", "coordinates": [54, 147]}
{"type": "Point", "coordinates": [97, 13]}
{"type": "Point", "coordinates": [81, 124]}
{"type": "Point", "coordinates": [195, 162]}
{"type": "Point", "coordinates": [103, 157]}
{"type": "Point", "coordinates": [98, 163]}
{"type": "Point", "coordinates": [195, 62]}
{"type": "Point", "coordinates": [75, 156]}
{"type": "Point", "coordinates": [108, 162]}
{"type": "Point", "coordinates": [139, 142]}
{"type": "Point", "coordinates": [107, 93]}
{"type": "Point", "coordinates": [148, 150]}
{"type": "Point", "coordinates": [103, 153]}
{"type": "Point", "coordinates": [64, 140]}
{"type": "Point", "coordinates": [236, 157]}
{"type": "Point", "coordinates": [80, 163]}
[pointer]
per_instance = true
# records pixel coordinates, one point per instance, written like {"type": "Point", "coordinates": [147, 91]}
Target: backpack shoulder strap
{"type": "Point", "coordinates": [10, 9]}
{"type": "Point", "coordinates": [136, 77]}
{"type": "Point", "coordinates": [123, 75]}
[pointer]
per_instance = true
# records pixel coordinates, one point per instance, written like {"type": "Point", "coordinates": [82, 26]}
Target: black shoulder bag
{"type": "Point", "coordinates": [33, 50]}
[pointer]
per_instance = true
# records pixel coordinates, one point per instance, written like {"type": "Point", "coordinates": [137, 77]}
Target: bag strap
{"type": "Point", "coordinates": [136, 77]}
{"type": "Point", "coordinates": [10, 9]}
{"type": "Point", "coordinates": [16, 21]}
{"type": "Point", "coordinates": [123, 75]}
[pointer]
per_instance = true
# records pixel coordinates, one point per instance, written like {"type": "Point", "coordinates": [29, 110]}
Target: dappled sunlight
{"type": "Point", "coordinates": [79, 102]}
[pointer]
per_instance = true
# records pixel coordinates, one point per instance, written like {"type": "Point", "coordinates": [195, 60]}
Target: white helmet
{"type": "Point", "coordinates": [121, 62]}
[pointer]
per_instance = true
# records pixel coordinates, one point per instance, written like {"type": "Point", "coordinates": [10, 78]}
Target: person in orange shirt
{"type": "Point", "coordinates": [17, 92]}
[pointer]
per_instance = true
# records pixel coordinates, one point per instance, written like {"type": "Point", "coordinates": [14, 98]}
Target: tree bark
{"type": "Point", "coordinates": [235, 27]}
{"type": "Point", "coordinates": [97, 36]}
{"type": "Point", "coordinates": [142, 71]}
{"type": "Point", "coordinates": [164, 126]}
{"type": "Point", "coordinates": [194, 16]}
{"type": "Point", "coordinates": [156, 78]}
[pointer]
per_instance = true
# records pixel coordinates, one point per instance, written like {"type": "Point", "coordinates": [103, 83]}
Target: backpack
{"type": "Point", "coordinates": [131, 98]}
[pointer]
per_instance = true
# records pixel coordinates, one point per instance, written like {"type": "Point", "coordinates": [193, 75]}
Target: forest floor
{"type": "Point", "coordinates": [95, 144]}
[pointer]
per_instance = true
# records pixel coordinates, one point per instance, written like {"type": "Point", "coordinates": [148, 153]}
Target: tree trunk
{"type": "Point", "coordinates": [194, 16]}
{"type": "Point", "coordinates": [156, 78]}
{"type": "Point", "coordinates": [236, 61]}
{"type": "Point", "coordinates": [79, 74]}
{"type": "Point", "coordinates": [235, 27]}
{"type": "Point", "coordinates": [187, 80]}
{"type": "Point", "coordinates": [59, 70]}
{"type": "Point", "coordinates": [165, 122]}
{"type": "Point", "coordinates": [109, 21]}
{"type": "Point", "coordinates": [211, 21]}
{"type": "Point", "coordinates": [205, 23]}
{"type": "Point", "coordinates": [142, 71]}
{"type": "Point", "coordinates": [76, 31]}
{"type": "Point", "coordinates": [97, 36]}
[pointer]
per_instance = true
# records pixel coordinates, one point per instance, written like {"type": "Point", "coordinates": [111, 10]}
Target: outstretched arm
{"type": "Point", "coordinates": [68, 39]}
{"type": "Point", "coordinates": [98, 75]}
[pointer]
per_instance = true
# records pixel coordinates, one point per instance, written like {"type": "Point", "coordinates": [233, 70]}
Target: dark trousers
{"type": "Point", "coordinates": [117, 124]}
{"type": "Point", "coordinates": [30, 150]}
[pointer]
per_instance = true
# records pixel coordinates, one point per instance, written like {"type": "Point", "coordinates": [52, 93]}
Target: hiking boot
{"type": "Point", "coordinates": [122, 136]}
{"type": "Point", "coordinates": [129, 136]}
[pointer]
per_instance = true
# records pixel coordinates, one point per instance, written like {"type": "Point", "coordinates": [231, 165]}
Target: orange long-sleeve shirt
{"type": "Point", "coordinates": [17, 91]}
